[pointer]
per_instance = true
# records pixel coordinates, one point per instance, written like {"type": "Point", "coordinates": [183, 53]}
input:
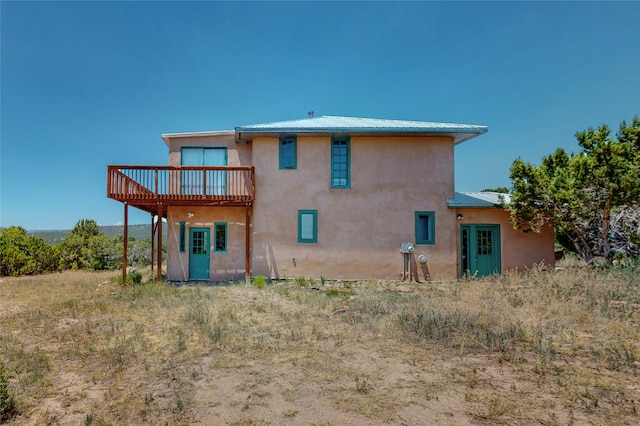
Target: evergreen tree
{"type": "Point", "coordinates": [24, 254]}
{"type": "Point", "coordinates": [579, 193]}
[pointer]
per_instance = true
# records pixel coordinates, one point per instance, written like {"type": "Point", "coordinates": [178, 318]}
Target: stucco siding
{"type": "Point", "coordinates": [360, 229]}
{"type": "Point", "coordinates": [222, 266]}
{"type": "Point", "coordinates": [518, 250]}
{"type": "Point", "coordinates": [237, 154]}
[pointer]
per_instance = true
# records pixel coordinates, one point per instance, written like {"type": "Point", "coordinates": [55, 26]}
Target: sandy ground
{"type": "Point", "coordinates": [297, 365]}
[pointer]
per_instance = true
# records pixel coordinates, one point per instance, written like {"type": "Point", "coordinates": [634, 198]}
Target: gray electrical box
{"type": "Point", "coordinates": [406, 248]}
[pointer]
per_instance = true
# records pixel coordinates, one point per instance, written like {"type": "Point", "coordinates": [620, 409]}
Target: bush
{"type": "Point", "coordinates": [134, 277]}
{"type": "Point", "coordinates": [24, 254]}
{"type": "Point", "coordinates": [7, 402]}
{"type": "Point", "coordinates": [259, 281]}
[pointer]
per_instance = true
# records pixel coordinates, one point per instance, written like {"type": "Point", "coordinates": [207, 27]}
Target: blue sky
{"type": "Point", "coordinates": [86, 84]}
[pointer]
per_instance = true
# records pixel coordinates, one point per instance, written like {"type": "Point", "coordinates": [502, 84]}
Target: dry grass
{"type": "Point", "coordinates": [533, 348]}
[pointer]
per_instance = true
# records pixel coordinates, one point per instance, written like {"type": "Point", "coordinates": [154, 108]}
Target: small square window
{"type": "Point", "coordinates": [307, 226]}
{"type": "Point", "coordinates": [220, 235]}
{"type": "Point", "coordinates": [425, 228]}
{"type": "Point", "coordinates": [288, 154]}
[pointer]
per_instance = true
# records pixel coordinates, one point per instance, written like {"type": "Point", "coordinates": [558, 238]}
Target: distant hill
{"type": "Point", "coordinates": [139, 232]}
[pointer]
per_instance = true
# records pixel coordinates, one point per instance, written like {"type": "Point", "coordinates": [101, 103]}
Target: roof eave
{"type": "Point", "coordinates": [459, 135]}
{"type": "Point", "coordinates": [473, 206]}
{"type": "Point", "coordinates": [167, 136]}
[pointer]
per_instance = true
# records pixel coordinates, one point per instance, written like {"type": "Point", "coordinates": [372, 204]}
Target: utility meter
{"type": "Point", "coordinates": [406, 248]}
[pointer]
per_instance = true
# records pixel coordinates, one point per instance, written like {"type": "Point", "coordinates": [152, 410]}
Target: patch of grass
{"type": "Point", "coordinates": [493, 409]}
{"type": "Point", "coordinates": [7, 401]}
{"type": "Point", "coordinates": [259, 282]}
{"type": "Point", "coordinates": [337, 293]}
{"type": "Point", "coordinates": [535, 346]}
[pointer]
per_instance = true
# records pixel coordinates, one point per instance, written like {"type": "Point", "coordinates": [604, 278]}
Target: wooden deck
{"type": "Point", "coordinates": [146, 187]}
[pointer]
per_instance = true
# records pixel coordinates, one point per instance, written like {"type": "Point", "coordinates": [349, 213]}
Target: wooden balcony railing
{"type": "Point", "coordinates": [185, 185]}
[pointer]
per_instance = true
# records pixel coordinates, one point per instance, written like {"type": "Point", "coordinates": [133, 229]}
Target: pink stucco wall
{"type": "Point", "coordinates": [359, 229]}
{"type": "Point", "coordinates": [237, 154]}
{"type": "Point", "coordinates": [223, 266]}
{"type": "Point", "coordinates": [519, 250]}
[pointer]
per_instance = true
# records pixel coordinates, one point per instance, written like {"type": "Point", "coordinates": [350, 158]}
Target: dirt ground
{"type": "Point", "coordinates": [238, 355]}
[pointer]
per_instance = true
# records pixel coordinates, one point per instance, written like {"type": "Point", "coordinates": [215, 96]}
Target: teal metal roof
{"type": "Point", "coordinates": [478, 200]}
{"type": "Point", "coordinates": [334, 124]}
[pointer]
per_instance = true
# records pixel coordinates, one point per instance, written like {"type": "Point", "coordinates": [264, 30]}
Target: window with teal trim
{"type": "Point", "coordinates": [307, 226]}
{"type": "Point", "coordinates": [425, 227]}
{"type": "Point", "coordinates": [288, 154]}
{"type": "Point", "coordinates": [183, 230]}
{"type": "Point", "coordinates": [340, 162]}
{"type": "Point", "coordinates": [220, 235]}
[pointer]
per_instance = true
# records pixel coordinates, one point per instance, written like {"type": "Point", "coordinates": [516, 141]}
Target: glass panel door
{"type": "Point", "coordinates": [480, 250]}
{"type": "Point", "coordinates": [199, 254]}
{"type": "Point", "coordinates": [193, 180]}
{"type": "Point", "coordinates": [217, 179]}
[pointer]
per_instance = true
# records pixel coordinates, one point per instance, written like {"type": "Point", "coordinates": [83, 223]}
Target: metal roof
{"type": "Point", "coordinates": [334, 124]}
{"type": "Point", "coordinates": [168, 136]}
{"type": "Point", "coordinates": [478, 200]}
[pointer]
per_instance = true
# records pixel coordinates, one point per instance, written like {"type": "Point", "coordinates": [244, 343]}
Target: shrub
{"type": "Point", "coordinates": [7, 402]}
{"type": "Point", "coordinates": [134, 277]}
{"type": "Point", "coordinates": [259, 281]}
{"type": "Point", "coordinates": [24, 254]}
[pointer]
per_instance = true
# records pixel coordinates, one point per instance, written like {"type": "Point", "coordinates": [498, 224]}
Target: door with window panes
{"type": "Point", "coordinates": [480, 250]}
{"type": "Point", "coordinates": [199, 256]}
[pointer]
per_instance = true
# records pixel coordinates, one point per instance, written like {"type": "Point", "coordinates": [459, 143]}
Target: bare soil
{"type": "Point", "coordinates": [82, 350]}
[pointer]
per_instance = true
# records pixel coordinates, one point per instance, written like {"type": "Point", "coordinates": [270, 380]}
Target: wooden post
{"type": "Point", "coordinates": [153, 236]}
{"type": "Point", "coordinates": [125, 242]}
{"type": "Point", "coordinates": [413, 268]}
{"type": "Point", "coordinates": [247, 264]}
{"type": "Point", "coordinates": [405, 265]}
{"type": "Point", "coordinates": [160, 215]}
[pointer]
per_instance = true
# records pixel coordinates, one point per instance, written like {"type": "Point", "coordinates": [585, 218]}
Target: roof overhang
{"type": "Point", "coordinates": [167, 136]}
{"type": "Point", "coordinates": [359, 126]}
{"type": "Point", "coordinates": [245, 136]}
{"type": "Point", "coordinates": [332, 125]}
{"type": "Point", "coordinates": [478, 200]}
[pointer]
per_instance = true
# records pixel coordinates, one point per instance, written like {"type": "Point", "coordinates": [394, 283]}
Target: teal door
{"type": "Point", "coordinates": [480, 250]}
{"type": "Point", "coordinates": [199, 254]}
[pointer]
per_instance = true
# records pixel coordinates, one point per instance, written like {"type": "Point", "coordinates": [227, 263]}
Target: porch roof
{"type": "Point", "coordinates": [478, 200]}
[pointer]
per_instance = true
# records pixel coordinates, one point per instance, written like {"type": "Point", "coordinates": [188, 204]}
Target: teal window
{"type": "Point", "coordinates": [288, 154]}
{"type": "Point", "coordinates": [220, 235]}
{"type": "Point", "coordinates": [425, 228]}
{"type": "Point", "coordinates": [340, 162]}
{"type": "Point", "coordinates": [183, 229]}
{"type": "Point", "coordinates": [307, 226]}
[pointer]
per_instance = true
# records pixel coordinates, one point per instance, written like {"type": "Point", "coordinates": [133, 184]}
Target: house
{"type": "Point", "coordinates": [328, 196]}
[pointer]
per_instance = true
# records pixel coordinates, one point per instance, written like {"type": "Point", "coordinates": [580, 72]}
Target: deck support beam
{"type": "Point", "coordinates": [153, 241]}
{"type": "Point", "coordinates": [247, 270]}
{"type": "Point", "coordinates": [160, 216]}
{"type": "Point", "coordinates": [125, 243]}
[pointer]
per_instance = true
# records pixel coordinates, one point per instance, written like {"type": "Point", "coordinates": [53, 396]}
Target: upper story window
{"type": "Point", "coordinates": [203, 156]}
{"type": "Point", "coordinates": [340, 162]}
{"type": "Point", "coordinates": [288, 154]}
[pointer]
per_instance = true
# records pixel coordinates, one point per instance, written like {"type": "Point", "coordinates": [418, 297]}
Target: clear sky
{"type": "Point", "coordinates": [86, 84]}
